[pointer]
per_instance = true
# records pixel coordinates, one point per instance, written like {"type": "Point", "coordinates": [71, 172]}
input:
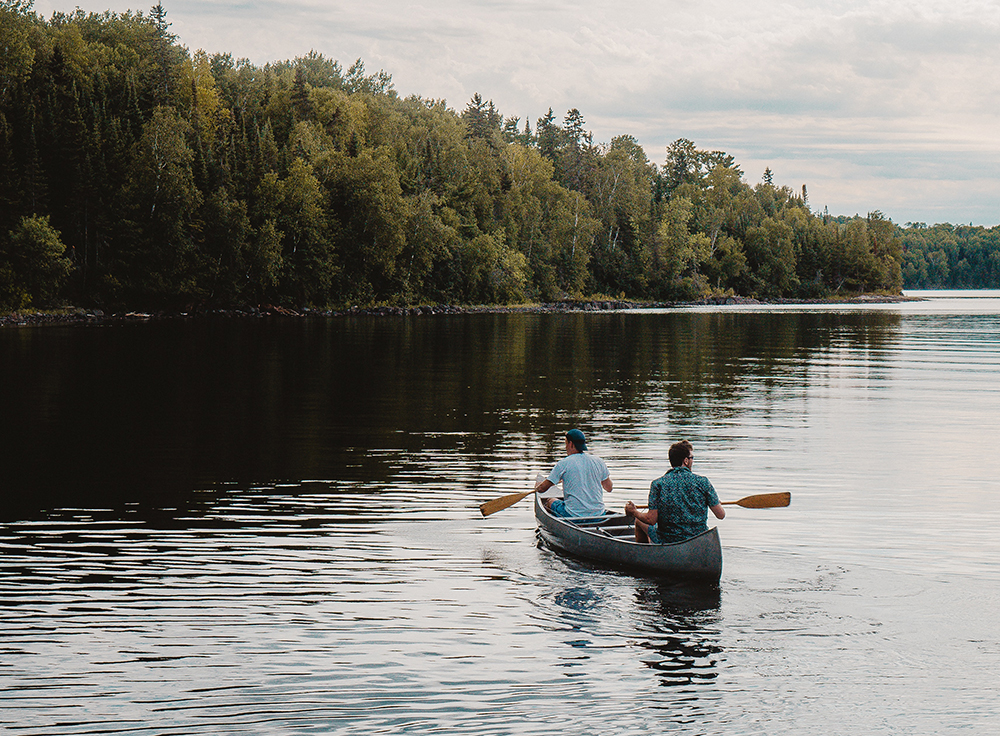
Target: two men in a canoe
{"type": "Point", "coordinates": [678, 502]}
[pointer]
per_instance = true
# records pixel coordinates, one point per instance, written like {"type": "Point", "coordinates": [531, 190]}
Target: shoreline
{"type": "Point", "coordinates": [79, 316]}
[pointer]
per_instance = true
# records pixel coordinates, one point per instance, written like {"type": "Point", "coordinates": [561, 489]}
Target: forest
{"type": "Point", "coordinates": [136, 174]}
{"type": "Point", "coordinates": [950, 256]}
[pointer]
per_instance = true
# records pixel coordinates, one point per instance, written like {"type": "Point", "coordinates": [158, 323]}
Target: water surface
{"type": "Point", "coordinates": [272, 526]}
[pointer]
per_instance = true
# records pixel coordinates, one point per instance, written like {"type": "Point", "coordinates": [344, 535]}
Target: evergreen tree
{"type": "Point", "coordinates": [165, 54]}
{"type": "Point", "coordinates": [301, 103]}
{"type": "Point", "coordinates": [548, 136]}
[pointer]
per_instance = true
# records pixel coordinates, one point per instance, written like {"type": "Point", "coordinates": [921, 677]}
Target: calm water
{"type": "Point", "coordinates": [272, 527]}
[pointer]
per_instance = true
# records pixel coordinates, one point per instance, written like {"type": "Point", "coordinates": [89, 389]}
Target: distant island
{"type": "Point", "coordinates": [135, 175]}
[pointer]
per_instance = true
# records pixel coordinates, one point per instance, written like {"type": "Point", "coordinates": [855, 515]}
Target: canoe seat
{"type": "Point", "coordinates": [615, 530]}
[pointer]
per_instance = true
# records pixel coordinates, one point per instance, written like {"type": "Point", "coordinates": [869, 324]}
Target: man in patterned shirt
{"type": "Point", "coordinates": [677, 502]}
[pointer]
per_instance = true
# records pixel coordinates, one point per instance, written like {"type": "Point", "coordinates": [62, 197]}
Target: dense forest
{"type": "Point", "coordinates": [950, 256]}
{"type": "Point", "coordinates": [135, 173]}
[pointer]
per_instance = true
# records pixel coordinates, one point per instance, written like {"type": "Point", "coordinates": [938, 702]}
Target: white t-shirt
{"type": "Point", "coordinates": [581, 475]}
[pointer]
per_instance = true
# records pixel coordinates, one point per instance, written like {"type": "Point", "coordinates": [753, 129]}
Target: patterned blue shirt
{"type": "Point", "coordinates": [682, 500]}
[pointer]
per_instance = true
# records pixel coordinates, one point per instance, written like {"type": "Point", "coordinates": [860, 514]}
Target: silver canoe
{"type": "Point", "coordinates": [610, 540]}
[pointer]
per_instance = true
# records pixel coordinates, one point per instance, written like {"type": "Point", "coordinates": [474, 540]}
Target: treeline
{"type": "Point", "coordinates": [950, 256]}
{"type": "Point", "coordinates": [135, 173]}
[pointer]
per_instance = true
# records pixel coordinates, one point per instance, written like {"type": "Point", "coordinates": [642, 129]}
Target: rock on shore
{"type": "Point", "coordinates": [71, 316]}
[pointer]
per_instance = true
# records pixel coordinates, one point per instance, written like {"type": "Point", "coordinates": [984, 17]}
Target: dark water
{"type": "Point", "coordinates": [272, 527]}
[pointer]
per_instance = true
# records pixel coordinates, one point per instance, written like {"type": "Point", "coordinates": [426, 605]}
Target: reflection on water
{"type": "Point", "coordinates": [172, 407]}
{"type": "Point", "coordinates": [684, 625]}
{"type": "Point", "coordinates": [273, 527]}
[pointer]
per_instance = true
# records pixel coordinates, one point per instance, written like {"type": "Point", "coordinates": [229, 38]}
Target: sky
{"type": "Point", "coordinates": [871, 104]}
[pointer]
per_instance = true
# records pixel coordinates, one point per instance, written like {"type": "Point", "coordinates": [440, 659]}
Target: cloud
{"type": "Point", "coordinates": [851, 97]}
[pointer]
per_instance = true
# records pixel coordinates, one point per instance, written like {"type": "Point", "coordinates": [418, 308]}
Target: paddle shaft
{"type": "Point", "coordinates": [759, 501]}
{"type": "Point", "coordinates": [499, 504]}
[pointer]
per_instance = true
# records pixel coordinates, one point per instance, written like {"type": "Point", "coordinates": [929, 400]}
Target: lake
{"type": "Point", "coordinates": [271, 526]}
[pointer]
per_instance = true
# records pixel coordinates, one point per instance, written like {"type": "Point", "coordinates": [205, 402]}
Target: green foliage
{"type": "Point", "coordinates": [293, 209]}
{"type": "Point", "coordinates": [950, 256]}
{"type": "Point", "coordinates": [677, 251]}
{"type": "Point", "coordinates": [619, 189]}
{"type": "Point", "coordinates": [179, 179]}
{"type": "Point", "coordinates": [482, 120]}
{"type": "Point", "coordinates": [159, 260]}
{"type": "Point", "coordinates": [771, 259]}
{"type": "Point", "coordinates": [33, 265]}
{"type": "Point", "coordinates": [17, 53]}
{"type": "Point", "coordinates": [492, 272]}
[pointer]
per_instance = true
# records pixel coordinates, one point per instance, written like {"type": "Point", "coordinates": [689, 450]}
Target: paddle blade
{"type": "Point", "coordinates": [499, 504]}
{"type": "Point", "coordinates": [764, 501]}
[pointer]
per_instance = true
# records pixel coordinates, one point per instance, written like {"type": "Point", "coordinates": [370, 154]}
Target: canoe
{"type": "Point", "coordinates": [610, 539]}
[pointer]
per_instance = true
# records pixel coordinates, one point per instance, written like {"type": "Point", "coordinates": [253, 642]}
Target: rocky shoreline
{"type": "Point", "coordinates": [78, 316]}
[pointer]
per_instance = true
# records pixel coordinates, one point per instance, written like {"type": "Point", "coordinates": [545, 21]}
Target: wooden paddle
{"type": "Point", "coordinates": [499, 504]}
{"type": "Point", "coordinates": [763, 501]}
{"type": "Point", "coordinates": [760, 501]}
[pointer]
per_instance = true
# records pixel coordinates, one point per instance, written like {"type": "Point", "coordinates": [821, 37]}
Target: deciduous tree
{"type": "Point", "coordinates": [33, 265]}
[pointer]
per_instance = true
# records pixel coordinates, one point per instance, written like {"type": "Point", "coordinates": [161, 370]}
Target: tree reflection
{"type": "Point", "coordinates": [163, 409]}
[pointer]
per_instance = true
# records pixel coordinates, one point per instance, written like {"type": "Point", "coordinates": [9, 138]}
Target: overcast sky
{"type": "Point", "coordinates": [872, 104]}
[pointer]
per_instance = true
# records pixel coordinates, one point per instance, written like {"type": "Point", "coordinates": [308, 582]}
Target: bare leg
{"type": "Point", "coordinates": [640, 532]}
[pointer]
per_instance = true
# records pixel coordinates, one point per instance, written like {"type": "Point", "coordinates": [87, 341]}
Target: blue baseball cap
{"type": "Point", "coordinates": [576, 437]}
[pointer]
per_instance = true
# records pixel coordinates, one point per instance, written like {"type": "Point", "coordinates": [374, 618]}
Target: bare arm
{"type": "Point", "coordinates": [646, 517]}
{"type": "Point", "coordinates": [607, 485]}
{"type": "Point", "coordinates": [720, 513]}
{"type": "Point", "coordinates": [544, 486]}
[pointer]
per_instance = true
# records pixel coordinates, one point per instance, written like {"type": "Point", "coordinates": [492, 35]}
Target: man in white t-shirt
{"type": "Point", "coordinates": [584, 478]}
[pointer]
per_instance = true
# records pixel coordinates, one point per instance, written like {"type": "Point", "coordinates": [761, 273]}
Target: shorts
{"type": "Point", "coordinates": [654, 536]}
{"type": "Point", "coordinates": [558, 508]}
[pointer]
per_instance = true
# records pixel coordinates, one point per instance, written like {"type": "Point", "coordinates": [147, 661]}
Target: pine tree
{"type": "Point", "coordinates": [301, 103]}
{"type": "Point", "coordinates": [548, 135]}
{"type": "Point", "coordinates": [164, 52]}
